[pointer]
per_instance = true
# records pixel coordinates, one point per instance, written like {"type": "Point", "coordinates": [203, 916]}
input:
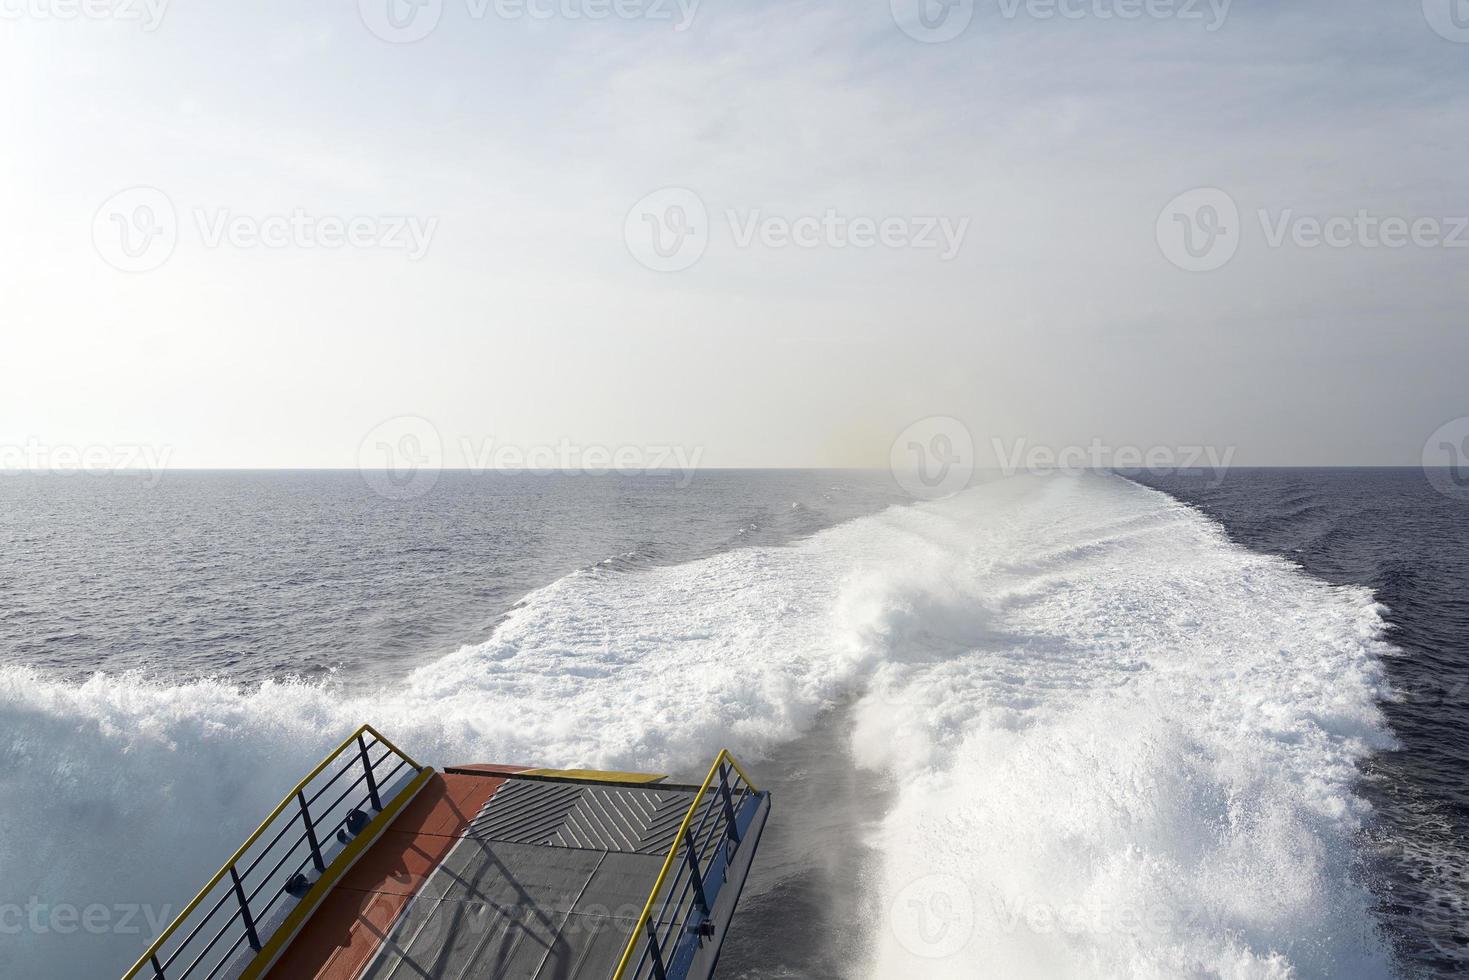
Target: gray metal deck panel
{"type": "Point", "coordinates": [545, 885]}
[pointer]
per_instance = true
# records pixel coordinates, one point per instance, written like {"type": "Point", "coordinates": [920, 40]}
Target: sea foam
{"type": "Point", "coordinates": [1123, 746]}
{"type": "Point", "coordinates": [1118, 745]}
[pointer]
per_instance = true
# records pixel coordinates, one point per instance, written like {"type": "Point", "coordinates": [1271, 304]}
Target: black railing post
{"type": "Point", "coordinates": [377, 803]}
{"type": "Point", "coordinates": [245, 915]}
{"type": "Point", "coordinates": [659, 973]}
{"type": "Point", "coordinates": [157, 967]}
{"type": "Point", "coordinates": [729, 810]}
{"type": "Point", "coordinates": [310, 832]}
{"type": "Point", "coordinates": [698, 879]}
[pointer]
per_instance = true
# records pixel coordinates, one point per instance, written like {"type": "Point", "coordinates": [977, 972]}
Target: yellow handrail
{"type": "Point", "coordinates": [632, 943]}
{"type": "Point", "coordinates": [259, 832]}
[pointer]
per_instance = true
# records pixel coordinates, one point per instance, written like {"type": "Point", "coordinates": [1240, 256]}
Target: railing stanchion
{"type": "Point", "coordinates": [729, 810]}
{"type": "Point", "coordinates": [250, 934]}
{"type": "Point", "coordinates": [698, 879]}
{"type": "Point", "coordinates": [157, 968]}
{"type": "Point", "coordinates": [311, 832]}
{"type": "Point", "coordinates": [377, 803]}
{"type": "Point", "coordinates": [659, 973]}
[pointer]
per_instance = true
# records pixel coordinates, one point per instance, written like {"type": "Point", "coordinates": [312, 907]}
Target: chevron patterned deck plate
{"type": "Point", "coordinates": [626, 819]}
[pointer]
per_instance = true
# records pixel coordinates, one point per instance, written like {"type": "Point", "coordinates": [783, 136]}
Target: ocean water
{"type": "Point", "coordinates": [1062, 726]}
{"type": "Point", "coordinates": [265, 575]}
{"type": "Point", "coordinates": [1391, 531]}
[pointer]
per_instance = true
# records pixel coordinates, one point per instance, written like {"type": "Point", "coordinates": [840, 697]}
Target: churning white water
{"type": "Point", "coordinates": [1117, 744]}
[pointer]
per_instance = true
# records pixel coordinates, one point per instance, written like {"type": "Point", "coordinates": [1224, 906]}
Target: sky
{"type": "Point", "coordinates": [765, 233]}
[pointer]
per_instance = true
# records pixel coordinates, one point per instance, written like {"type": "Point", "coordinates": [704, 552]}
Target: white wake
{"type": "Point", "coordinates": [1121, 745]}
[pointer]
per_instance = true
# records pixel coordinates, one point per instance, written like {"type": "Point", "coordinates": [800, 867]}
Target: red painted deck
{"type": "Point", "coordinates": [342, 935]}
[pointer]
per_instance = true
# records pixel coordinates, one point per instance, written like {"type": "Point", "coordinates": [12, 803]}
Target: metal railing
{"type": "Point", "coordinates": [234, 914]}
{"type": "Point", "coordinates": [663, 942]}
